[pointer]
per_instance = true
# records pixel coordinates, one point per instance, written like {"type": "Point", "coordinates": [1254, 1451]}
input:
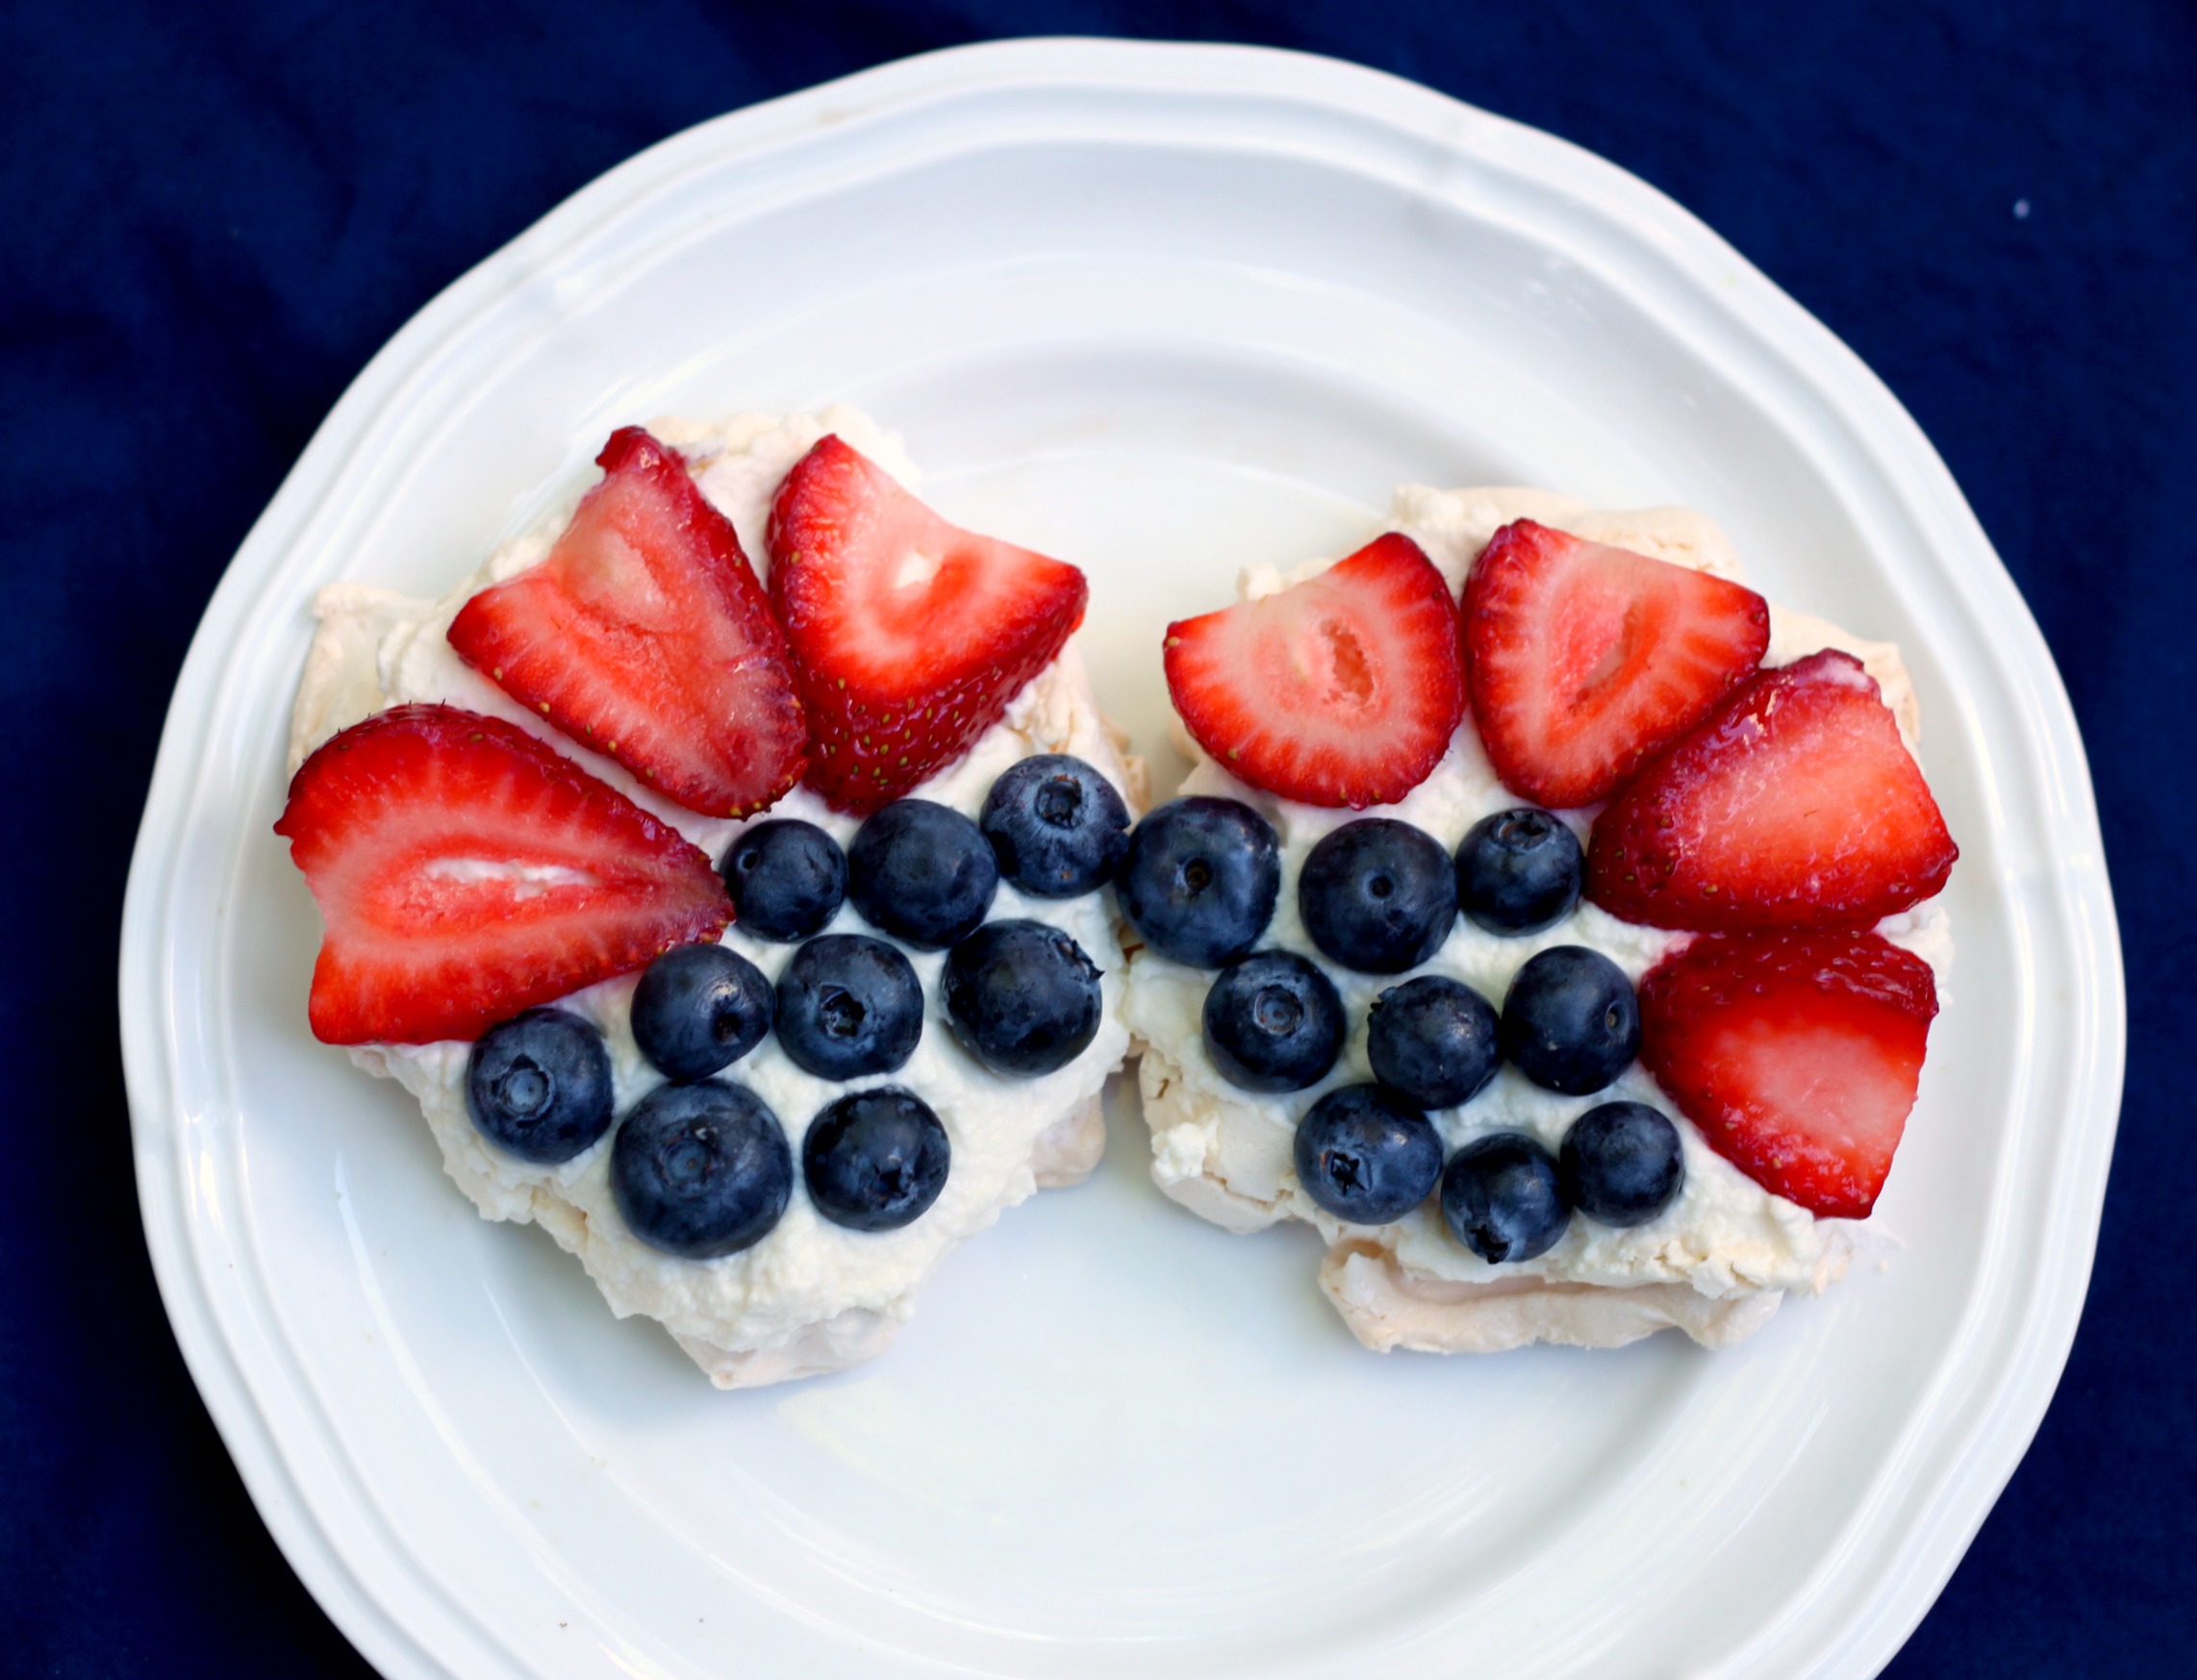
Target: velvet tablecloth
{"type": "Point", "coordinates": [216, 212]}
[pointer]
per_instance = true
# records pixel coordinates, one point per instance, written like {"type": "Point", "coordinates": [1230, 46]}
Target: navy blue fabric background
{"type": "Point", "coordinates": [212, 215]}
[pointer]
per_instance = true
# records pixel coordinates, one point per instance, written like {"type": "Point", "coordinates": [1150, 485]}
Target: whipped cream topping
{"type": "Point", "coordinates": [1225, 1152]}
{"type": "Point", "coordinates": [811, 1295]}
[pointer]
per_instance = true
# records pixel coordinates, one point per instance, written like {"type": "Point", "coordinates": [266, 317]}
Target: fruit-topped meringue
{"type": "Point", "coordinates": [721, 868]}
{"type": "Point", "coordinates": [1547, 919]}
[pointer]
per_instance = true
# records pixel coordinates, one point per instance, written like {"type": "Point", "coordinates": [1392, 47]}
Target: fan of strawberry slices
{"type": "Point", "coordinates": [466, 871]}
{"type": "Point", "coordinates": [1777, 812]}
{"type": "Point", "coordinates": [1781, 827]}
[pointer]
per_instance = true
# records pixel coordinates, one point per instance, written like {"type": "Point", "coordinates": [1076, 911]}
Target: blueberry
{"type": "Point", "coordinates": [1056, 825]}
{"type": "Point", "coordinates": [1570, 1021]}
{"type": "Point", "coordinates": [1434, 1039]}
{"type": "Point", "coordinates": [787, 879]}
{"type": "Point", "coordinates": [700, 1170]}
{"type": "Point", "coordinates": [1021, 996]}
{"type": "Point", "coordinates": [538, 1085]}
{"type": "Point", "coordinates": [1273, 1022]}
{"type": "Point", "coordinates": [848, 1005]}
{"type": "Point", "coordinates": [875, 1160]}
{"type": "Point", "coordinates": [700, 1008]}
{"type": "Point", "coordinates": [1377, 895]}
{"type": "Point", "coordinates": [923, 872]}
{"type": "Point", "coordinates": [1200, 880]}
{"type": "Point", "coordinates": [1519, 871]}
{"type": "Point", "coordinates": [1622, 1163]}
{"type": "Point", "coordinates": [1502, 1198]}
{"type": "Point", "coordinates": [1367, 1156]}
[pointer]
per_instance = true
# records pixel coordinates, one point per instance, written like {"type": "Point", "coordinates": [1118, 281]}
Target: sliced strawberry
{"type": "Point", "coordinates": [1796, 806]}
{"type": "Point", "coordinates": [1795, 1054]}
{"type": "Point", "coordinates": [645, 636]}
{"type": "Point", "coordinates": [1584, 659]}
{"type": "Point", "coordinates": [909, 635]}
{"type": "Point", "coordinates": [466, 873]}
{"type": "Point", "coordinates": [1343, 690]}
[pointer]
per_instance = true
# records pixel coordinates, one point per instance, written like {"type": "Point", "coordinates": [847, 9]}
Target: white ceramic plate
{"type": "Point", "coordinates": [1164, 310]}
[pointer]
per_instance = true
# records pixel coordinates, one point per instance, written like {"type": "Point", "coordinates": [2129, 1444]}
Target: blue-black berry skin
{"type": "Point", "coordinates": [702, 1171]}
{"type": "Point", "coordinates": [699, 1008]}
{"type": "Point", "coordinates": [1435, 1040]}
{"type": "Point", "coordinates": [1021, 996]}
{"type": "Point", "coordinates": [1377, 895]}
{"type": "Point", "coordinates": [787, 879]}
{"type": "Point", "coordinates": [1502, 1199]}
{"type": "Point", "coordinates": [538, 1086]}
{"type": "Point", "coordinates": [1569, 1020]}
{"type": "Point", "coordinates": [1056, 825]}
{"type": "Point", "coordinates": [849, 1004]}
{"type": "Point", "coordinates": [1200, 880]}
{"type": "Point", "coordinates": [1519, 871]}
{"type": "Point", "coordinates": [1366, 1156]}
{"type": "Point", "coordinates": [1622, 1163]}
{"type": "Point", "coordinates": [875, 1160]}
{"type": "Point", "coordinates": [1274, 1023]}
{"type": "Point", "coordinates": [923, 872]}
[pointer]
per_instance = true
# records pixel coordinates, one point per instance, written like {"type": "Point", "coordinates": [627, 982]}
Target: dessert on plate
{"type": "Point", "coordinates": [1547, 919]}
{"type": "Point", "coordinates": [719, 867]}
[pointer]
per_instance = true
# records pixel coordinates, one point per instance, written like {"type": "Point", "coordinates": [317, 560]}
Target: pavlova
{"type": "Point", "coordinates": [1547, 919]}
{"type": "Point", "coordinates": [742, 931]}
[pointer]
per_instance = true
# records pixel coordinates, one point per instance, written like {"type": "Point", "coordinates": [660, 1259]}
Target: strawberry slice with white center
{"type": "Point", "coordinates": [1584, 659]}
{"type": "Point", "coordinates": [1796, 806]}
{"type": "Point", "coordinates": [465, 871]}
{"type": "Point", "coordinates": [645, 636]}
{"type": "Point", "coordinates": [1798, 1056]}
{"type": "Point", "coordinates": [909, 635]}
{"type": "Point", "coordinates": [1340, 690]}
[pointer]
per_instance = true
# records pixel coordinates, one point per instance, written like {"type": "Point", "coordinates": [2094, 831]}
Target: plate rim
{"type": "Point", "coordinates": [1993, 1443]}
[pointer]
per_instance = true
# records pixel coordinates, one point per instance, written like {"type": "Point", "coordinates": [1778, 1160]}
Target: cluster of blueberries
{"type": "Point", "coordinates": [1200, 882]}
{"type": "Point", "coordinates": [700, 1166]}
